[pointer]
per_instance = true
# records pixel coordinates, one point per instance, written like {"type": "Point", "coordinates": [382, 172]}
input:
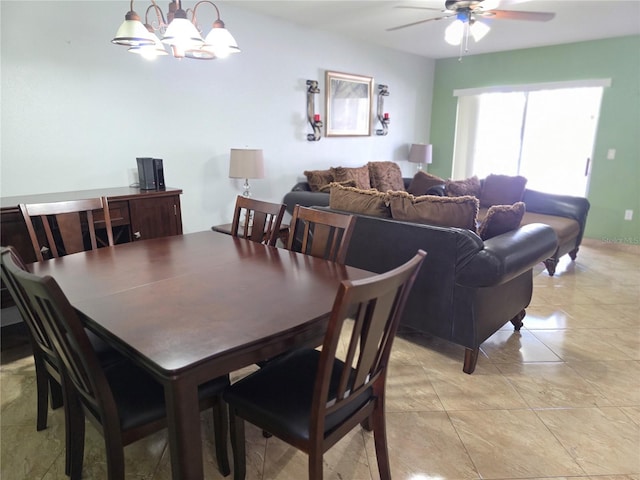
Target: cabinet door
{"type": "Point", "coordinates": [155, 217]}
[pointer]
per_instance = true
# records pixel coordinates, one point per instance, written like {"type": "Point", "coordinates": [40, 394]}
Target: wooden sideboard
{"type": "Point", "coordinates": [135, 215]}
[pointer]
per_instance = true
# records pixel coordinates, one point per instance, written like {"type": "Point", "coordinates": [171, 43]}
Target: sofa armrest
{"type": "Point", "coordinates": [508, 255]}
{"type": "Point", "coordinates": [301, 187]}
{"type": "Point", "coordinates": [305, 199]}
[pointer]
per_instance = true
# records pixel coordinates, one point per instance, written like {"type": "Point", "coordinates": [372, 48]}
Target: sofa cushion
{"type": "Point", "coordinates": [501, 219]}
{"type": "Point", "coordinates": [423, 181]}
{"type": "Point", "coordinates": [359, 174]}
{"type": "Point", "coordinates": [385, 176]}
{"type": "Point", "coordinates": [502, 190]}
{"type": "Point", "coordinates": [458, 212]}
{"type": "Point", "coordinates": [468, 186]}
{"type": "Point", "coordinates": [318, 179]}
{"type": "Point", "coordinates": [356, 200]}
{"type": "Point", "coordinates": [566, 228]}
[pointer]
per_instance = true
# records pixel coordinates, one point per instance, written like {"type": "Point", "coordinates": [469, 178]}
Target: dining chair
{"type": "Point", "coordinates": [261, 221]}
{"type": "Point", "coordinates": [48, 380]}
{"type": "Point", "coordinates": [123, 402]}
{"type": "Point", "coordinates": [64, 225]}
{"type": "Point", "coordinates": [320, 233]}
{"type": "Point", "coordinates": [312, 398]}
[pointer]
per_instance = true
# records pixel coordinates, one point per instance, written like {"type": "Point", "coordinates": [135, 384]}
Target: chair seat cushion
{"type": "Point", "coordinates": [278, 397]}
{"type": "Point", "coordinates": [140, 398]}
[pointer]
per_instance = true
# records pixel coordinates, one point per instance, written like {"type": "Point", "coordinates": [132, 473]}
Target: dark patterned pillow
{"type": "Point", "coordinates": [501, 219]}
{"type": "Point", "coordinates": [469, 186]}
{"type": "Point", "coordinates": [385, 176]}
{"type": "Point", "coordinates": [356, 200]}
{"type": "Point", "coordinates": [502, 190]}
{"type": "Point", "coordinates": [318, 179]}
{"type": "Point", "coordinates": [423, 181]}
{"type": "Point", "coordinates": [458, 212]}
{"type": "Point", "coordinates": [359, 174]}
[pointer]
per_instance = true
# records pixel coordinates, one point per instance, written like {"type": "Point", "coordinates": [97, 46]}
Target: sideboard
{"type": "Point", "coordinates": [135, 215]}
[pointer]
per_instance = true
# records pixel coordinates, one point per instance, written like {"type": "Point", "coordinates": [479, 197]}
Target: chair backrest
{"type": "Point", "coordinates": [65, 224]}
{"type": "Point", "coordinates": [76, 357]}
{"type": "Point", "coordinates": [261, 221]}
{"type": "Point", "coordinates": [10, 261]}
{"type": "Point", "coordinates": [320, 234]}
{"type": "Point", "coordinates": [376, 305]}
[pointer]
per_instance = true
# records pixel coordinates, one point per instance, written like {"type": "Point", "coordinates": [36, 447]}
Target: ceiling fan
{"type": "Point", "coordinates": [467, 14]}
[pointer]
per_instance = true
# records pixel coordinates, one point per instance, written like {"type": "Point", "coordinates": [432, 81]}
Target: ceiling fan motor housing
{"type": "Point", "coordinates": [455, 5]}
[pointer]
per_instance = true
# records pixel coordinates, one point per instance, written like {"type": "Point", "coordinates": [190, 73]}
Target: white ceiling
{"type": "Point", "coordinates": [367, 20]}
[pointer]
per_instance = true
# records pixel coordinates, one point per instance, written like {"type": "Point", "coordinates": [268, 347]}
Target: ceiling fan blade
{"type": "Point", "coordinates": [513, 15]}
{"type": "Point", "coordinates": [417, 23]}
{"type": "Point", "coordinates": [420, 8]}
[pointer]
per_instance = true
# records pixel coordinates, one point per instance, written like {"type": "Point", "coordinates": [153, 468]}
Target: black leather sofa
{"type": "Point", "coordinates": [567, 215]}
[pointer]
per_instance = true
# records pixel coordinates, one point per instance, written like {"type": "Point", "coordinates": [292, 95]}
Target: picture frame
{"type": "Point", "coordinates": [348, 104]}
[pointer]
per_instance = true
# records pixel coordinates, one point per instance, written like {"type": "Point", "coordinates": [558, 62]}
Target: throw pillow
{"type": "Point", "coordinates": [468, 186]}
{"type": "Point", "coordinates": [458, 212]}
{"type": "Point", "coordinates": [423, 181]}
{"type": "Point", "coordinates": [502, 190]}
{"type": "Point", "coordinates": [327, 188]}
{"type": "Point", "coordinates": [501, 219]}
{"type": "Point", "coordinates": [318, 179]}
{"type": "Point", "coordinates": [385, 176]}
{"type": "Point", "coordinates": [367, 202]}
{"type": "Point", "coordinates": [359, 174]}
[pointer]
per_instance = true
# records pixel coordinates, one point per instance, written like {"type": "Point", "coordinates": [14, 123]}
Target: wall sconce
{"type": "Point", "coordinates": [312, 116]}
{"type": "Point", "coordinates": [383, 118]}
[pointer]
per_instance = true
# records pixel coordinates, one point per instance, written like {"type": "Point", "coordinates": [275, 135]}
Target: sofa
{"type": "Point", "coordinates": [566, 215]}
{"type": "Point", "coordinates": [467, 288]}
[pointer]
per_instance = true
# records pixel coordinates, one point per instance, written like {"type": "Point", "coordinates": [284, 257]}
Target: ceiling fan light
{"type": "Point", "coordinates": [454, 32]}
{"type": "Point", "coordinates": [479, 30]}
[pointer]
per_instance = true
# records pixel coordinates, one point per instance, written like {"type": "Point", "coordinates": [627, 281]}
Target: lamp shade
{"type": "Point", "coordinates": [246, 163]}
{"type": "Point", "coordinates": [420, 153]}
{"type": "Point", "coordinates": [133, 33]}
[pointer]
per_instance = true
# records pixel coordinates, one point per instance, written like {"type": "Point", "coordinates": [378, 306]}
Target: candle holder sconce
{"type": "Point", "coordinates": [383, 118]}
{"type": "Point", "coordinates": [312, 117]}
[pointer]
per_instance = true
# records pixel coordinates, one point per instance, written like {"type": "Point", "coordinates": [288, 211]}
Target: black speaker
{"type": "Point", "coordinates": [150, 173]}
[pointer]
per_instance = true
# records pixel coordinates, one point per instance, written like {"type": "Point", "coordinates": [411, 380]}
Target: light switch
{"type": "Point", "coordinates": [611, 154]}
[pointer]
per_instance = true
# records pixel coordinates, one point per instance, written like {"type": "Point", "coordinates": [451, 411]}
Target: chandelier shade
{"type": "Point", "coordinates": [180, 33]}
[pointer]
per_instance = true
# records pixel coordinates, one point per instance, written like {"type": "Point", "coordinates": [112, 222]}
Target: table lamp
{"type": "Point", "coordinates": [246, 163]}
{"type": "Point", "coordinates": [420, 153]}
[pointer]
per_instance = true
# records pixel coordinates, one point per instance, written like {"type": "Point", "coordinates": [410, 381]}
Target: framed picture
{"type": "Point", "coordinates": [348, 104]}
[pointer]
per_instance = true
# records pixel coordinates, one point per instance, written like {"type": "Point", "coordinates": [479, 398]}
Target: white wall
{"type": "Point", "coordinates": [77, 110]}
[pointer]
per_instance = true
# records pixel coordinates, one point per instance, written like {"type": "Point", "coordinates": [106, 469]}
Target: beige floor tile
{"type": "Point", "coordinates": [27, 454]}
{"type": "Point", "coordinates": [517, 347]}
{"type": "Point", "coordinates": [512, 444]}
{"type": "Point", "coordinates": [603, 441]}
{"type": "Point", "coordinates": [618, 381]}
{"type": "Point", "coordinates": [404, 393]}
{"type": "Point", "coordinates": [582, 344]}
{"type": "Point", "coordinates": [549, 385]}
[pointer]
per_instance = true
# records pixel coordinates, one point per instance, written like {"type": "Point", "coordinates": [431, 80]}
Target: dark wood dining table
{"type": "Point", "coordinates": [192, 307]}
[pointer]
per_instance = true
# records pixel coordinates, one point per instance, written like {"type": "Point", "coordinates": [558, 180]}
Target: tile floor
{"type": "Point", "coordinates": [559, 399]}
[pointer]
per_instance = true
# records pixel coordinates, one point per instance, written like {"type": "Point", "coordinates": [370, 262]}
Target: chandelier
{"type": "Point", "coordinates": [181, 35]}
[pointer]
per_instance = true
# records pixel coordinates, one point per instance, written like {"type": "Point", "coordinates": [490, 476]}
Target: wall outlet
{"type": "Point", "coordinates": [611, 154]}
{"type": "Point", "coordinates": [628, 214]}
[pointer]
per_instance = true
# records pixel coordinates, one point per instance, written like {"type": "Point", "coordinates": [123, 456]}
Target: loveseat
{"type": "Point", "coordinates": [567, 215]}
{"type": "Point", "coordinates": [467, 288]}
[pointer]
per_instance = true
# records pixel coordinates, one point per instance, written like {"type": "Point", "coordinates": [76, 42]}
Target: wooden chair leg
{"type": "Point", "coordinates": [236, 425]}
{"type": "Point", "coordinates": [380, 440]}
{"type": "Point", "coordinates": [115, 453]}
{"type": "Point", "coordinates": [470, 359]}
{"type": "Point", "coordinates": [55, 390]}
{"type": "Point", "coordinates": [42, 393]}
{"type": "Point", "coordinates": [220, 430]}
{"type": "Point", "coordinates": [315, 464]}
{"type": "Point", "coordinates": [74, 436]}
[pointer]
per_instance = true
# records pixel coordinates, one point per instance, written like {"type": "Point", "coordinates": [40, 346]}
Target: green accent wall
{"type": "Point", "coordinates": [615, 184]}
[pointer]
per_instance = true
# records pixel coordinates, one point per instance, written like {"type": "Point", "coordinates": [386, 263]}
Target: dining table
{"type": "Point", "coordinates": [192, 307]}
